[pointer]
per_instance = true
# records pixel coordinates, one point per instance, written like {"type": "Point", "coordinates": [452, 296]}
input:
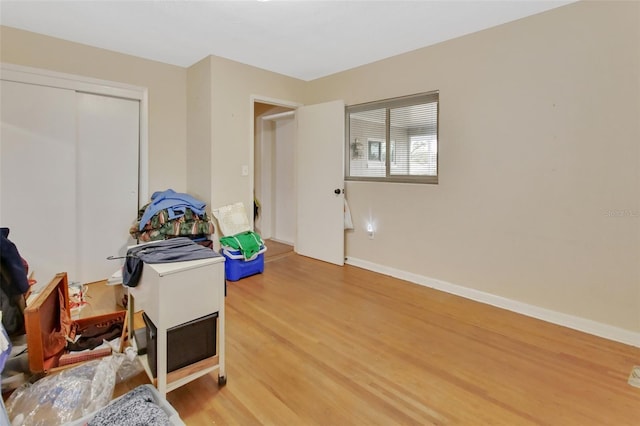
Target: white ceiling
{"type": "Point", "coordinates": [302, 39]}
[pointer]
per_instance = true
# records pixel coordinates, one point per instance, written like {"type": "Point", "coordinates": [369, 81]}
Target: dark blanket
{"type": "Point", "coordinates": [13, 284]}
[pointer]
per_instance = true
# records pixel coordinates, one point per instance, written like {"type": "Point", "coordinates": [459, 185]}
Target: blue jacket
{"type": "Point", "coordinates": [174, 202]}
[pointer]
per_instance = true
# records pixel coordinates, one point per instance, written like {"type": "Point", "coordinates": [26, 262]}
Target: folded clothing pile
{"type": "Point", "coordinates": [172, 214]}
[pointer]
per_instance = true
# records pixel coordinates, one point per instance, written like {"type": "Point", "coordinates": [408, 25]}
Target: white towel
{"type": "Point", "coordinates": [348, 223]}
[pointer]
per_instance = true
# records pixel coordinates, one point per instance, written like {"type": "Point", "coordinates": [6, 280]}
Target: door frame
{"type": "Point", "coordinates": [269, 207]}
{"type": "Point", "coordinates": [252, 129]}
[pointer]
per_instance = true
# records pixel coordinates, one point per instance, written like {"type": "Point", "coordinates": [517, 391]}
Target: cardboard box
{"type": "Point", "coordinates": [44, 317]}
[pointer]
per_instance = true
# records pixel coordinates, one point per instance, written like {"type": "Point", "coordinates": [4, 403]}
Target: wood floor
{"type": "Point", "coordinates": [276, 250]}
{"type": "Point", "coordinates": [309, 343]}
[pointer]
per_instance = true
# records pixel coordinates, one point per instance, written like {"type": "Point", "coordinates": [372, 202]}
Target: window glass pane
{"type": "Point", "coordinates": [367, 153]}
{"type": "Point", "coordinates": [423, 157]}
{"type": "Point", "coordinates": [414, 129]}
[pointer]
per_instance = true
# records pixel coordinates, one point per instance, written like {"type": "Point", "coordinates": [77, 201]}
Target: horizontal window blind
{"type": "Point", "coordinates": [394, 140]}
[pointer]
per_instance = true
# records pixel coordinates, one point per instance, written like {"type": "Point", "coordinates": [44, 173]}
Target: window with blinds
{"type": "Point", "coordinates": [395, 140]}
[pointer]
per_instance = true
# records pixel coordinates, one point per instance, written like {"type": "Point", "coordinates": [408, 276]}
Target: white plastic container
{"type": "Point", "coordinates": [173, 415]}
{"type": "Point", "coordinates": [231, 253]}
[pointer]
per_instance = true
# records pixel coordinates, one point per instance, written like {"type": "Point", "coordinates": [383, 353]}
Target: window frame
{"type": "Point", "coordinates": [388, 104]}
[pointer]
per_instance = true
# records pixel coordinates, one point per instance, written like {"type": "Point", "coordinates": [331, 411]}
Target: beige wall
{"type": "Point", "coordinates": [199, 130]}
{"type": "Point", "coordinates": [166, 84]}
{"type": "Point", "coordinates": [539, 193]}
{"type": "Point", "coordinates": [233, 85]}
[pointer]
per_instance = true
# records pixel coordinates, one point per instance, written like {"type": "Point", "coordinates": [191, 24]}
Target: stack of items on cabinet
{"type": "Point", "coordinates": [172, 214]}
{"type": "Point", "coordinates": [242, 248]}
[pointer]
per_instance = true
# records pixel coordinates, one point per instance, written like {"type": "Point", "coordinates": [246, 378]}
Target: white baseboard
{"type": "Point", "coordinates": [577, 323]}
{"type": "Point", "coordinates": [289, 243]}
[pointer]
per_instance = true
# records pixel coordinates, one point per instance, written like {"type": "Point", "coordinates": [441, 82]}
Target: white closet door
{"type": "Point", "coordinates": [37, 175]}
{"type": "Point", "coordinates": [108, 141]}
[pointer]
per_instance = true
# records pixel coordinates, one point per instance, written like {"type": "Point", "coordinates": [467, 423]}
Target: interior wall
{"type": "Point", "coordinates": [263, 136]}
{"type": "Point", "coordinates": [284, 194]}
{"type": "Point", "coordinates": [234, 87]}
{"type": "Point", "coordinates": [539, 158]}
{"type": "Point", "coordinates": [166, 84]}
{"type": "Point", "coordinates": [199, 130]}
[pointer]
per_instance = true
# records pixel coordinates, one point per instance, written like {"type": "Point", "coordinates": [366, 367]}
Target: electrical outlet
{"type": "Point", "coordinates": [370, 231]}
{"type": "Point", "coordinates": [245, 170]}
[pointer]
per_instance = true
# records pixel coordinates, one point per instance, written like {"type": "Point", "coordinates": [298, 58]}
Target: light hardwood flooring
{"type": "Point", "coordinates": [276, 250]}
{"type": "Point", "coordinates": [309, 343]}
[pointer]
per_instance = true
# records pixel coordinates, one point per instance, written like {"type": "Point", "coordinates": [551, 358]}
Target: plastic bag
{"type": "Point", "coordinates": [66, 396]}
{"type": "Point", "coordinates": [232, 219]}
{"type": "Point", "coordinates": [130, 367]}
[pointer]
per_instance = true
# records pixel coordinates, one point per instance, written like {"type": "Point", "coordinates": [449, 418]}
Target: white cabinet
{"type": "Point", "coordinates": [172, 294]}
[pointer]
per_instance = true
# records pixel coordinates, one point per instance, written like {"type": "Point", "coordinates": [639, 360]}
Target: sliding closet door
{"type": "Point", "coordinates": [108, 139]}
{"type": "Point", "coordinates": [38, 175]}
{"type": "Point", "coordinates": [68, 178]}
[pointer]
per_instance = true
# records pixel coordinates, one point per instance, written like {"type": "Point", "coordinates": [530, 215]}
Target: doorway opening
{"type": "Point", "coordinates": [274, 172]}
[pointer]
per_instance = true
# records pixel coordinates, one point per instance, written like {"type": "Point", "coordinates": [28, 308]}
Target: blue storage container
{"type": "Point", "coordinates": [237, 268]}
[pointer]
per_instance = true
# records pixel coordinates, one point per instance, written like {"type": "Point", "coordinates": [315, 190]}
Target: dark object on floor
{"type": "Point", "coordinates": [93, 336]}
{"type": "Point", "coordinates": [14, 283]}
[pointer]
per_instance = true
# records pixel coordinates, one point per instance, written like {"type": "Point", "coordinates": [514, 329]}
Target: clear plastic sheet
{"type": "Point", "coordinates": [66, 396]}
{"type": "Point", "coordinates": [130, 366]}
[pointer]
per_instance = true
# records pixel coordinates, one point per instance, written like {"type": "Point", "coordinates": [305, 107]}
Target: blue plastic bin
{"type": "Point", "coordinates": [236, 269]}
